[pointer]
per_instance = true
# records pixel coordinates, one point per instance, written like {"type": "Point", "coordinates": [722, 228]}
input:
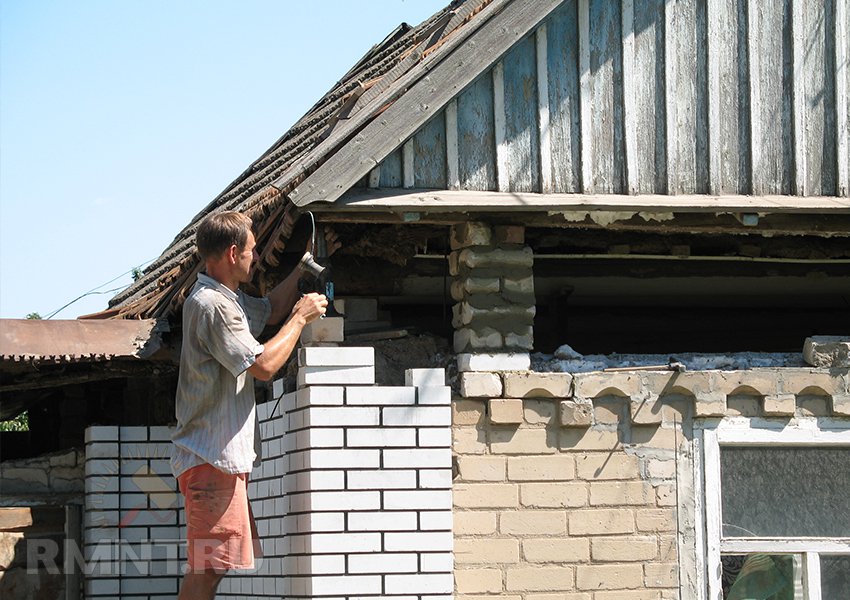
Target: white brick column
{"type": "Point", "coordinates": [368, 482]}
{"type": "Point", "coordinates": [132, 539]}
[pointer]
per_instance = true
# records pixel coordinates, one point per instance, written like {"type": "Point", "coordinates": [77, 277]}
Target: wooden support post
{"type": "Point", "coordinates": [452, 169]}
{"type": "Point", "coordinates": [407, 164]}
{"type": "Point", "coordinates": [541, 37]}
{"type": "Point", "coordinates": [629, 113]}
{"type": "Point", "coordinates": [798, 25]}
{"type": "Point", "coordinates": [502, 175]}
{"type": "Point", "coordinates": [586, 118]}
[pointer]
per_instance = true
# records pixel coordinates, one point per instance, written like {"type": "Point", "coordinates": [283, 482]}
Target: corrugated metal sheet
{"type": "Point", "coordinates": [76, 341]}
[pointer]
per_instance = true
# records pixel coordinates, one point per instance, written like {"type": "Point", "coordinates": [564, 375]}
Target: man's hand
{"type": "Point", "coordinates": [310, 307]}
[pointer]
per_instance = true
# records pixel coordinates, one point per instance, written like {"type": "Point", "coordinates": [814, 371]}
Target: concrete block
{"type": "Point", "coordinates": [454, 267]}
{"type": "Point", "coordinates": [102, 433]}
{"type": "Point", "coordinates": [520, 340]}
{"type": "Point", "coordinates": [505, 411]}
{"type": "Point", "coordinates": [424, 377]}
{"type": "Point", "coordinates": [592, 385]}
{"type": "Point", "coordinates": [480, 385]}
{"type": "Point", "coordinates": [645, 412]}
{"type": "Point", "coordinates": [416, 416]}
{"type": "Point", "coordinates": [523, 315]}
{"type": "Point", "coordinates": [841, 404]}
{"type": "Point", "coordinates": [470, 233]}
{"type": "Point", "coordinates": [575, 414]}
{"type": "Point", "coordinates": [474, 285]}
{"type": "Point", "coordinates": [418, 458]}
{"type": "Point", "coordinates": [494, 362]}
{"type": "Point", "coordinates": [441, 395]}
{"type": "Point", "coordinates": [357, 309]}
{"type": "Point", "coordinates": [380, 396]}
{"type": "Point", "coordinates": [440, 499]}
{"type": "Point", "coordinates": [336, 357]}
{"type": "Point", "coordinates": [336, 376]}
{"type": "Point", "coordinates": [780, 405]}
{"type": "Point", "coordinates": [518, 286]}
{"type": "Point", "coordinates": [523, 441]}
{"type": "Point", "coordinates": [435, 437]}
{"type": "Point", "coordinates": [828, 351]}
{"type": "Point", "coordinates": [477, 258]}
{"type": "Point", "coordinates": [486, 338]}
{"type": "Point", "coordinates": [710, 404]}
{"type": "Point", "coordinates": [342, 416]}
{"type": "Point", "coordinates": [319, 396]}
{"type": "Point", "coordinates": [381, 437]}
{"type": "Point", "coordinates": [537, 385]}
{"type": "Point", "coordinates": [509, 234]}
{"type": "Point", "coordinates": [382, 521]}
{"type": "Point", "coordinates": [422, 583]}
{"type": "Point", "coordinates": [327, 329]}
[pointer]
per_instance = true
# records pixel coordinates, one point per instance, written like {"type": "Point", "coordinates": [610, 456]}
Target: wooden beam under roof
{"type": "Point", "coordinates": [446, 201]}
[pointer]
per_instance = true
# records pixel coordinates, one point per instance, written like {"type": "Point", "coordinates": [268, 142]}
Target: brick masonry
{"type": "Point", "coordinates": [352, 500]}
{"type": "Point", "coordinates": [567, 486]}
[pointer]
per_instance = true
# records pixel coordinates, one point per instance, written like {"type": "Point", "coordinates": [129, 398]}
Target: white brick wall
{"type": "Point", "coordinates": [352, 499]}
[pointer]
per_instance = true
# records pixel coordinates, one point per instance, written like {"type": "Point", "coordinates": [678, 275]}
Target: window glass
{"type": "Point", "coordinates": [835, 577]}
{"type": "Point", "coordinates": [762, 577]}
{"type": "Point", "coordinates": [785, 491]}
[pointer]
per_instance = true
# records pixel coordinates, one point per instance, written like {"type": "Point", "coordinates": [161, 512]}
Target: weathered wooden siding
{"type": "Point", "coordinates": [652, 97]}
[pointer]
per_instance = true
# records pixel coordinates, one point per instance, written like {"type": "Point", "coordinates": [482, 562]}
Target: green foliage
{"type": "Point", "coordinates": [34, 315]}
{"type": "Point", "coordinates": [19, 423]}
{"type": "Point", "coordinates": [137, 273]}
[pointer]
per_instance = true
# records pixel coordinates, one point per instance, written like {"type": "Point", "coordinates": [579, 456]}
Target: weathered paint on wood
{"type": "Point", "coordinates": [771, 84]}
{"type": "Point", "coordinates": [521, 132]}
{"type": "Point", "coordinates": [818, 121]}
{"type": "Point", "coordinates": [452, 178]}
{"type": "Point", "coordinates": [606, 93]}
{"type": "Point", "coordinates": [564, 104]}
{"type": "Point", "coordinates": [655, 97]}
{"type": "Point", "coordinates": [475, 141]}
{"type": "Point", "coordinates": [391, 175]}
{"type": "Point", "coordinates": [648, 81]}
{"type": "Point", "coordinates": [429, 154]}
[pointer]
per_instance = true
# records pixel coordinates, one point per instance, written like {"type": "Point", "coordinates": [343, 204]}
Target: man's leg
{"type": "Point", "coordinates": [200, 585]}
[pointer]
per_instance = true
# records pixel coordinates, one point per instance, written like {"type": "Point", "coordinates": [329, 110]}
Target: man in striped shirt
{"type": "Point", "coordinates": [216, 441]}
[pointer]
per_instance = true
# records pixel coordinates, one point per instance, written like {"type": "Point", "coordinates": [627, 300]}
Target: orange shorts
{"type": "Point", "coordinates": [220, 527]}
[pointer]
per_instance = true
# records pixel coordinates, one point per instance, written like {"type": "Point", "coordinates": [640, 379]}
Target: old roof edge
{"type": "Point", "coordinates": [66, 341]}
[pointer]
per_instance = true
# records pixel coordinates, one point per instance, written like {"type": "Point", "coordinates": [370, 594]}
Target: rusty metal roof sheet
{"type": "Point", "coordinates": [378, 79]}
{"type": "Point", "coordinates": [76, 341]}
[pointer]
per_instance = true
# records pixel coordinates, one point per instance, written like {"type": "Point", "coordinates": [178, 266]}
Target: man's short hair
{"type": "Point", "coordinates": [219, 231]}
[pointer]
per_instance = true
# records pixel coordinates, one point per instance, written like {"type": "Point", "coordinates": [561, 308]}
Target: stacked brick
{"type": "Point", "coordinates": [567, 484]}
{"type": "Point", "coordinates": [493, 286]}
{"type": "Point", "coordinates": [131, 526]}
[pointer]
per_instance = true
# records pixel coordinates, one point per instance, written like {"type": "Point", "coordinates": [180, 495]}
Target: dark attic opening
{"type": "Point", "coordinates": [604, 290]}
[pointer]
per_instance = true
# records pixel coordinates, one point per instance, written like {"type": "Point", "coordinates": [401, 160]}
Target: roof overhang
{"type": "Point", "coordinates": [77, 341]}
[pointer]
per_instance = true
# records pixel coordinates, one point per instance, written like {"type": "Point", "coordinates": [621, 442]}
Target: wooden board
{"type": "Point", "coordinates": [476, 146]}
{"type": "Point", "coordinates": [564, 105]}
{"type": "Point", "coordinates": [521, 135]}
{"type": "Point", "coordinates": [429, 154]}
{"type": "Point", "coordinates": [391, 175]}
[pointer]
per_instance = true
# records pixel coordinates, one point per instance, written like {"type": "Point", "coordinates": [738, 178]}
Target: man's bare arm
{"type": "Point", "coordinates": [277, 350]}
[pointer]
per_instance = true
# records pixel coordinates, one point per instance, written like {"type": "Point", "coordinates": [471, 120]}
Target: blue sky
{"type": "Point", "coordinates": [120, 120]}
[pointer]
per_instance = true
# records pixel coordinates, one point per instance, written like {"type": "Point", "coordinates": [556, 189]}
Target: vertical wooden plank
{"type": "Point", "coordinates": [798, 25]}
{"type": "Point", "coordinates": [649, 117]}
{"type": "Point", "coordinates": [407, 163]}
{"type": "Point", "coordinates": [671, 90]}
{"type": "Point", "coordinates": [587, 185]}
{"type": "Point", "coordinates": [842, 102]}
{"type": "Point", "coordinates": [715, 185]}
{"type": "Point", "coordinates": [542, 41]}
{"type": "Point", "coordinates": [429, 154]}
{"type": "Point", "coordinates": [502, 169]}
{"type": "Point", "coordinates": [476, 145]}
{"type": "Point", "coordinates": [521, 115]}
{"type": "Point", "coordinates": [686, 46]}
{"type": "Point", "coordinates": [771, 97]}
{"type": "Point", "coordinates": [375, 177]}
{"type": "Point", "coordinates": [452, 176]}
{"type": "Point", "coordinates": [564, 98]}
{"type": "Point", "coordinates": [391, 171]}
{"type": "Point", "coordinates": [818, 69]}
{"type": "Point", "coordinates": [629, 113]}
{"type": "Point", "coordinates": [606, 67]}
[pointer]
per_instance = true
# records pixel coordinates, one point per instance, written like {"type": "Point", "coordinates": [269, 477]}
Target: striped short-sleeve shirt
{"type": "Point", "coordinates": [215, 407]}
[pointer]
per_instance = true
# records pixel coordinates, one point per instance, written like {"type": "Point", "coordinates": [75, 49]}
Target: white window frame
{"type": "Point", "coordinates": [710, 436]}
